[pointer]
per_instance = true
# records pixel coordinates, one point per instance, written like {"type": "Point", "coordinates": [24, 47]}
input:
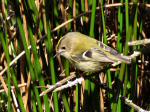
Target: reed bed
{"type": "Point", "coordinates": [29, 32]}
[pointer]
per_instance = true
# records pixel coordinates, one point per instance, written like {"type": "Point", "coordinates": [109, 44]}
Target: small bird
{"type": "Point", "coordinates": [88, 54]}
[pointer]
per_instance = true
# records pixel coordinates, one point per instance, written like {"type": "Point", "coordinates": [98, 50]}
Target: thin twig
{"type": "Point", "coordinates": [12, 87]}
{"type": "Point", "coordinates": [69, 84]}
{"type": "Point", "coordinates": [132, 105]}
{"type": "Point", "coordinates": [139, 42]}
{"type": "Point", "coordinates": [58, 84]}
{"type": "Point", "coordinates": [15, 101]}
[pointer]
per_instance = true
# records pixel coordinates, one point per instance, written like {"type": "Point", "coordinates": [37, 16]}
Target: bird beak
{"type": "Point", "coordinates": [58, 52]}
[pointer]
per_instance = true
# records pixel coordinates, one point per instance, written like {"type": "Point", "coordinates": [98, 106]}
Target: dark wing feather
{"type": "Point", "coordinates": [105, 53]}
{"type": "Point", "coordinates": [96, 55]}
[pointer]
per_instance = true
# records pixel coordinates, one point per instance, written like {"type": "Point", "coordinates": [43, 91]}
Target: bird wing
{"type": "Point", "coordinates": [95, 54]}
{"type": "Point", "coordinates": [105, 53]}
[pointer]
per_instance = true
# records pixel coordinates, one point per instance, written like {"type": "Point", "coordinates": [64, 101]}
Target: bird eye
{"type": "Point", "coordinates": [63, 47]}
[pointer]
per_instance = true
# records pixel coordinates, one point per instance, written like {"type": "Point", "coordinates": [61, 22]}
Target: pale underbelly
{"type": "Point", "coordinates": [90, 66]}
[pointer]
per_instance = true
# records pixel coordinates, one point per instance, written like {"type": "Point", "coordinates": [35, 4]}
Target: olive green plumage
{"type": "Point", "coordinates": [87, 54]}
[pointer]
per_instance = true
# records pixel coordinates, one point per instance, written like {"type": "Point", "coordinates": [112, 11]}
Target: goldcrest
{"type": "Point", "coordinates": [87, 54]}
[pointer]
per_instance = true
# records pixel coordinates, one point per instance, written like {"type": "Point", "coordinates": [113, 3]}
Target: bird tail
{"type": "Point", "coordinates": [128, 59]}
